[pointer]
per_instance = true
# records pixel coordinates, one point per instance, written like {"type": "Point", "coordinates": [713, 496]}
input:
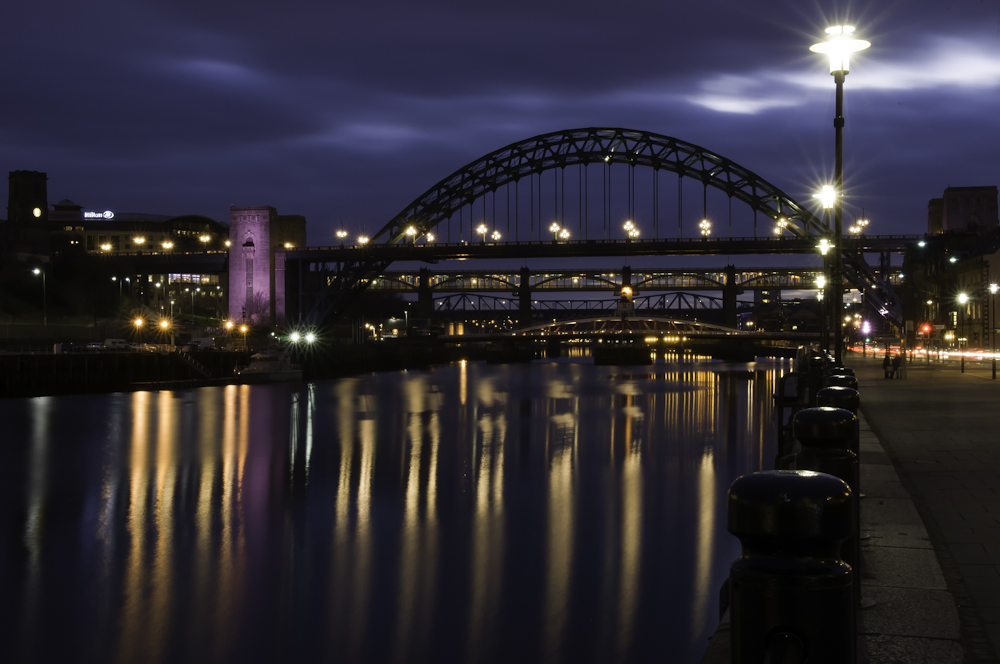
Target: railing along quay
{"type": "Point", "coordinates": [794, 592]}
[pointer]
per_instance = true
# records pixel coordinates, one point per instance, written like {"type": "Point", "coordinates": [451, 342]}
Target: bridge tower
{"type": "Point", "coordinates": [523, 293]}
{"type": "Point", "coordinates": [729, 293]}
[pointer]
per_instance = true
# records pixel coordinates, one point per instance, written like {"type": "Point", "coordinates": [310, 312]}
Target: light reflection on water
{"type": "Point", "coordinates": [544, 512]}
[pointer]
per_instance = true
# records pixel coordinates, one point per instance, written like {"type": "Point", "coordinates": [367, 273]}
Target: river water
{"type": "Point", "coordinates": [545, 512]}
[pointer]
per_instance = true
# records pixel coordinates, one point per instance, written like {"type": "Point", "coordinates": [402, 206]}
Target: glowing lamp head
{"type": "Point", "coordinates": [295, 337]}
{"type": "Point", "coordinates": [826, 196]}
{"type": "Point", "coordinates": [363, 239]}
{"type": "Point", "coordinates": [564, 234]}
{"type": "Point", "coordinates": [821, 281]}
{"type": "Point", "coordinates": [164, 324]}
{"type": "Point", "coordinates": [994, 288]}
{"type": "Point", "coordinates": [310, 337]}
{"type": "Point", "coordinates": [204, 238]}
{"type": "Point", "coordinates": [230, 324]}
{"type": "Point", "coordinates": [496, 235]}
{"type": "Point", "coordinates": [962, 298]}
{"type": "Point", "coordinates": [139, 240]}
{"type": "Point", "coordinates": [341, 234]}
{"type": "Point", "coordinates": [838, 46]}
{"type": "Point", "coordinates": [36, 213]}
{"type": "Point", "coordinates": [481, 229]}
{"type": "Point", "coordinates": [411, 231]}
{"type": "Point", "coordinates": [137, 322]}
{"type": "Point", "coordinates": [228, 243]}
{"type": "Point", "coordinates": [430, 237]}
{"type": "Point", "coordinates": [168, 245]}
{"type": "Point", "coordinates": [626, 291]}
{"type": "Point", "coordinates": [824, 246]}
{"type": "Point", "coordinates": [243, 329]}
{"type": "Point", "coordinates": [554, 228]}
{"type": "Point", "coordinates": [37, 271]}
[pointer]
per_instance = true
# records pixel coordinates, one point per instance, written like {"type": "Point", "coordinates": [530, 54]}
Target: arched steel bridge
{"type": "Point", "coordinates": [594, 145]}
{"type": "Point", "coordinates": [321, 281]}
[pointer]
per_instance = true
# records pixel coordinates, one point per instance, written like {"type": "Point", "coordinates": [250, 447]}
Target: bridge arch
{"type": "Point", "coordinates": [595, 145]}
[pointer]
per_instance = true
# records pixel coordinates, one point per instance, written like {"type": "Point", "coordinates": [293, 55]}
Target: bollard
{"type": "Point", "coordinates": [847, 398]}
{"type": "Point", "coordinates": [791, 595]}
{"type": "Point", "coordinates": [815, 378]}
{"type": "Point", "coordinates": [825, 435]}
{"type": "Point", "coordinates": [842, 381]}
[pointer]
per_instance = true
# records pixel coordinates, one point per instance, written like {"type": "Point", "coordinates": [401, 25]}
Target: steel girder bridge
{"type": "Point", "coordinates": [321, 282]}
{"type": "Point", "coordinates": [491, 281]}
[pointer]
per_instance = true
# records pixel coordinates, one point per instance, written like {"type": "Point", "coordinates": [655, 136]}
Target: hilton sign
{"type": "Point", "coordinates": [107, 214]}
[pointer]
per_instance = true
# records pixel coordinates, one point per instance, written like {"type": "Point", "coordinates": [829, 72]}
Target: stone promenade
{"type": "Point", "coordinates": [941, 431]}
{"type": "Point", "coordinates": [930, 476]}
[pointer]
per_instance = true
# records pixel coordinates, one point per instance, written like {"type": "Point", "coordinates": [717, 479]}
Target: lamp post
{"type": "Point", "coordinates": [825, 297]}
{"type": "Point", "coordinates": [554, 229]}
{"type": "Point", "coordinates": [45, 299]}
{"type": "Point", "coordinates": [824, 338]}
{"type": "Point", "coordinates": [839, 46]}
{"type": "Point", "coordinates": [993, 326]}
{"type": "Point", "coordinates": [481, 229]}
{"type": "Point", "coordinates": [962, 299]}
{"type": "Point", "coordinates": [706, 228]}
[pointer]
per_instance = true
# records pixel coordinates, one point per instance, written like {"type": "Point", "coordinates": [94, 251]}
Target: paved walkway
{"type": "Point", "coordinates": [930, 474]}
{"type": "Point", "coordinates": [941, 431]}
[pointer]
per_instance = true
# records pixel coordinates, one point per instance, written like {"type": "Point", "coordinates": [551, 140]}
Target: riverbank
{"type": "Point", "coordinates": [930, 474]}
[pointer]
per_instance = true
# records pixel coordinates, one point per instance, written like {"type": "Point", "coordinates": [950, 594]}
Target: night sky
{"type": "Point", "coordinates": [345, 112]}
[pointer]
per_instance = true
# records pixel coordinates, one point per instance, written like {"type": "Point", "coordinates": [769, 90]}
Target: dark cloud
{"type": "Point", "coordinates": [348, 111]}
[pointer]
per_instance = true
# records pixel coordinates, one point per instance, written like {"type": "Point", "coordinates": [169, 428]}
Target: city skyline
{"type": "Point", "coordinates": [345, 115]}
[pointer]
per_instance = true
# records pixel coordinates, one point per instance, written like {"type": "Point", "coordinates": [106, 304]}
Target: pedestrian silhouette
{"type": "Point", "coordinates": [897, 360]}
{"type": "Point", "coordinates": [887, 365]}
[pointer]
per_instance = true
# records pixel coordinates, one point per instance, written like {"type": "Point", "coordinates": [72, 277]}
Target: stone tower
{"type": "Point", "coordinates": [250, 259]}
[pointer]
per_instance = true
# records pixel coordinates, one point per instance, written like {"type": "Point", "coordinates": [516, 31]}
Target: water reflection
{"type": "Point", "coordinates": [544, 512]}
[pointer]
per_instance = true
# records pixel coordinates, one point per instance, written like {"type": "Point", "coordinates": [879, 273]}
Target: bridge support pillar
{"type": "Point", "coordinates": [729, 293]}
{"type": "Point", "coordinates": [425, 303]}
{"type": "Point", "coordinates": [523, 293]}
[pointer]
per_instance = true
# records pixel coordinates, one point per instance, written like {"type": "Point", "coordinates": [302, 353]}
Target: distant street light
{"type": "Point", "coordinates": [429, 237]}
{"type": "Point", "coordinates": [962, 300]}
{"type": "Point", "coordinates": [706, 228]}
{"type": "Point", "coordinates": [362, 239]}
{"type": "Point", "coordinates": [564, 234]}
{"type": "Point", "coordinates": [481, 229]}
{"type": "Point", "coordinates": [168, 245]}
{"type": "Point", "coordinates": [554, 229]}
{"type": "Point", "coordinates": [45, 305]}
{"type": "Point", "coordinates": [780, 225]}
{"type": "Point", "coordinates": [631, 230]}
{"type": "Point", "coordinates": [411, 233]}
{"type": "Point", "coordinates": [496, 236]}
{"type": "Point", "coordinates": [993, 325]}
{"type": "Point", "coordinates": [839, 46]}
{"type": "Point", "coordinates": [341, 234]}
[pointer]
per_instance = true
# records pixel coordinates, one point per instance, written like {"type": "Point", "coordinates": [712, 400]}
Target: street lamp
{"type": "Point", "coordinates": [564, 234]}
{"type": "Point", "coordinates": [496, 236]}
{"type": "Point", "coordinates": [631, 230]}
{"type": "Point", "coordinates": [993, 325]}
{"type": "Point", "coordinates": [341, 234]}
{"type": "Point", "coordinates": [962, 299]}
{"type": "Point", "coordinates": [839, 46]}
{"type": "Point", "coordinates": [481, 229]}
{"type": "Point", "coordinates": [411, 232]}
{"type": "Point", "coordinates": [45, 303]}
{"type": "Point", "coordinates": [554, 229]}
{"type": "Point", "coordinates": [362, 239]}
{"type": "Point", "coordinates": [706, 228]}
{"type": "Point", "coordinates": [780, 225]}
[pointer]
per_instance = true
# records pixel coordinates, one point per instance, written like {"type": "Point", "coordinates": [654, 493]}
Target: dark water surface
{"type": "Point", "coordinates": [551, 512]}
